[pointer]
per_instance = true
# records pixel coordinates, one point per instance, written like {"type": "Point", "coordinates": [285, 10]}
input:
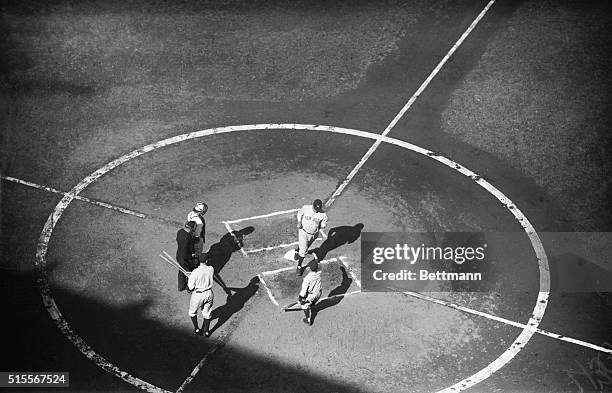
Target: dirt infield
{"type": "Point", "coordinates": [86, 83]}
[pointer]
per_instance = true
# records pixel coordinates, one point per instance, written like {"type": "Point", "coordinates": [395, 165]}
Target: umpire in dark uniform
{"type": "Point", "coordinates": [185, 242]}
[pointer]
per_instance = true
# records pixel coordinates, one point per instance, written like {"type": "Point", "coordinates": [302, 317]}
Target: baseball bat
{"type": "Point", "coordinates": [174, 265]}
{"type": "Point", "coordinates": [179, 267]}
{"type": "Point", "coordinates": [171, 259]}
{"type": "Point", "coordinates": [290, 307]}
{"type": "Point", "coordinates": [169, 262]}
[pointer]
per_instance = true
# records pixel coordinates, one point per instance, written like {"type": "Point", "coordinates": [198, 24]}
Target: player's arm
{"type": "Point", "coordinates": [191, 282]}
{"type": "Point", "coordinates": [217, 278]}
{"type": "Point", "coordinates": [300, 214]}
{"type": "Point", "coordinates": [198, 229]}
{"type": "Point", "coordinates": [323, 222]}
{"type": "Point", "coordinates": [316, 287]}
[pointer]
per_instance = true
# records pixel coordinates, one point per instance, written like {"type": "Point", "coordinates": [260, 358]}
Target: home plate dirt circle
{"type": "Point", "coordinates": [90, 353]}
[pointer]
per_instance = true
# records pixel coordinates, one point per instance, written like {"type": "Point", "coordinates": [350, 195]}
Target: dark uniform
{"type": "Point", "coordinates": [185, 254]}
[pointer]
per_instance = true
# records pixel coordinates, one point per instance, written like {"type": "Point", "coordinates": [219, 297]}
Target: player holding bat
{"type": "Point", "coordinates": [311, 291]}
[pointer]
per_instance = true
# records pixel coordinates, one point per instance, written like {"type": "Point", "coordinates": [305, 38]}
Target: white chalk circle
{"type": "Point", "coordinates": [518, 344]}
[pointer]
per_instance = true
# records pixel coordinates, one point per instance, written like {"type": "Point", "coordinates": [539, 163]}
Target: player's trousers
{"type": "Point", "coordinates": [201, 300]}
{"type": "Point", "coordinates": [198, 246]}
{"type": "Point", "coordinates": [311, 300]}
{"type": "Point", "coordinates": [305, 240]}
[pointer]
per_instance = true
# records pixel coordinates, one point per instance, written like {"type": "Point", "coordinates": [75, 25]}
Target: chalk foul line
{"type": "Point", "coordinates": [407, 106]}
{"type": "Point", "coordinates": [92, 201]}
{"type": "Point", "coordinates": [504, 320]}
{"type": "Point", "coordinates": [222, 339]}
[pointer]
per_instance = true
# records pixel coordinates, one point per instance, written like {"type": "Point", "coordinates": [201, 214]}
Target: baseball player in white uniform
{"type": "Point", "coordinates": [200, 285]}
{"type": "Point", "coordinates": [311, 291]}
{"type": "Point", "coordinates": [310, 218]}
{"type": "Point", "coordinates": [197, 215]}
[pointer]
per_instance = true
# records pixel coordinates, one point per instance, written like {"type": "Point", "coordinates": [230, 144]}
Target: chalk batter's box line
{"type": "Point", "coordinates": [285, 269]}
{"type": "Point", "coordinates": [276, 213]}
{"type": "Point", "coordinates": [228, 223]}
{"type": "Point", "coordinates": [229, 230]}
{"type": "Point", "coordinates": [283, 245]}
{"type": "Point", "coordinates": [350, 270]}
{"type": "Point", "coordinates": [341, 295]}
{"type": "Point", "coordinates": [268, 291]}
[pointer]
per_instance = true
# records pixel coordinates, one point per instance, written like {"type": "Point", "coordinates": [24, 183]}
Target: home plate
{"type": "Point", "coordinates": [289, 255]}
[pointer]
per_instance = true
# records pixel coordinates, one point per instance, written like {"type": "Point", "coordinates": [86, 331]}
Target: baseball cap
{"type": "Point", "coordinates": [313, 265]}
{"type": "Point", "coordinates": [317, 204]}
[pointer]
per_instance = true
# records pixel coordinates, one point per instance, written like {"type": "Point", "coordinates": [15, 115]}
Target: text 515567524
{"type": "Point", "coordinates": [35, 379]}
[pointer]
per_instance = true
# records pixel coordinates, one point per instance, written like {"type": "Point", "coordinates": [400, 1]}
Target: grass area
{"type": "Point", "coordinates": [539, 97]}
{"type": "Point", "coordinates": [270, 51]}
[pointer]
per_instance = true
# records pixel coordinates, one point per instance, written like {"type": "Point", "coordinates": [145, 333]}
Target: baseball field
{"type": "Point", "coordinates": [402, 116]}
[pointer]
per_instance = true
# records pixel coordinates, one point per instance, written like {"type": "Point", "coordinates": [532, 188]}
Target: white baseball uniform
{"type": "Point", "coordinates": [309, 223]}
{"type": "Point", "coordinates": [201, 282]}
{"type": "Point", "coordinates": [311, 288]}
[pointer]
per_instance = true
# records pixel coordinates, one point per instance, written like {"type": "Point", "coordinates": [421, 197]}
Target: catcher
{"type": "Point", "coordinates": [199, 232]}
{"type": "Point", "coordinates": [311, 291]}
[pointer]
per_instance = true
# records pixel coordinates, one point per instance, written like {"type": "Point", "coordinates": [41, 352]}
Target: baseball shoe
{"type": "Point", "coordinates": [207, 333]}
{"type": "Point", "coordinates": [198, 332]}
{"type": "Point", "coordinates": [307, 321]}
{"type": "Point", "coordinates": [299, 269]}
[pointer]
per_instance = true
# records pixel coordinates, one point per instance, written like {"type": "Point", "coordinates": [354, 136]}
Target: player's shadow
{"type": "Point", "coordinates": [124, 333]}
{"type": "Point", "coordinates": [234, 303]}
{"type": "Point", "coordinates": [220, 253]}
{"type": "Point", "coordinates": [335, 296]}
{"type": "Point", "coordinates": [337, 237]}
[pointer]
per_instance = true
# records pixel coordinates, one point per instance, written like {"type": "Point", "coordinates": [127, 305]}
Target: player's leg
{"type": "Point", "coordinates": [207, 311]}
{"type": "Point", "coordinates": [194, 305]}
{"type": "Point", "coordinates": [198, 246]}
{"type": "Point", "coordinates": [302, 248]}
{"type": "Point", "coordinates": [302, 243]}
{"type": "Point", "coordinates": [310, 240]}
{"type": "Point", "coordinates": [307, 307]}
{"type": "Point", "coordinates": [306, 315]}
{"type": "Point", "coordinates": [313, 307]}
